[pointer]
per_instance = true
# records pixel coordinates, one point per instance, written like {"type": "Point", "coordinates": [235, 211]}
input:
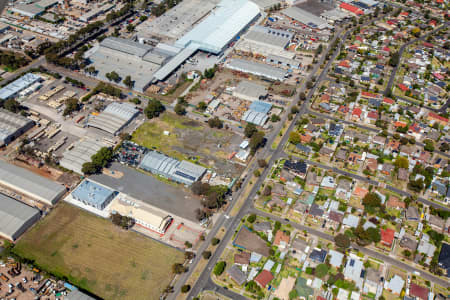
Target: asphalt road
{"type": "Point", "coordinates": [402, 49]}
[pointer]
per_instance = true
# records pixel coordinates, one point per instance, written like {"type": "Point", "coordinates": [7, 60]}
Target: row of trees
{"type": "Point", "coordinates": [99, 160]}
{"type": "Point", "coordinates": [13, 60]}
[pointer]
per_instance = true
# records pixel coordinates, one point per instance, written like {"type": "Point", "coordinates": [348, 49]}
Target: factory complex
{"type": "Point", "coordinates": [12, 126]}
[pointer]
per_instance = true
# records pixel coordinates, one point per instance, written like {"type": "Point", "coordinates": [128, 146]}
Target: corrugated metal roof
{"type": "Point", "coordinates": [126, 46]}
{"type": "Point", "coordinates": [81, 153]}
{"type": "Point", "coordinates": [28, 183]}
{"type": "Point", "coordinates": [18, 85]}
{"type": "Point", "coordinates": [267, 35]}
{"type": "Point", "coordinates": [11, 123]}
{"type": "Point", "coordinates": [92, 193]}
{"type": "Point", "coordinates": [250, 89]}
{"type": "Point", "coordinates": [304, 17]}
{"type": "Point", "coordinates": [77, 295]}
{"type": "Point", "coordinates": [254, 117]}
{"type": "Point", "coordinates": [14, 215]}
{"type": "Point", "coordinates": [256, 69]}
{"type": "Point", "coordinates": [114, 117]}
{"type": "Point", "coordinates": [260, 106]}
{"type": "Point", "coordinates": [221, 26]}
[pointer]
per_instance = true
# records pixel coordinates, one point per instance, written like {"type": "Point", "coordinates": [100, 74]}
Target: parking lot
{"type": "Point", "coordinates": [174, 200]}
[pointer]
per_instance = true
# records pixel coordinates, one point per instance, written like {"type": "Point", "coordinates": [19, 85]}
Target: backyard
{"type": "Point", "coordinates": [97, 256]}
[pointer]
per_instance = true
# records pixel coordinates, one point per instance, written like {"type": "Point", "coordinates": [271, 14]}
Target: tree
{"type": "Point", "coordinates": [262, 163]}
{"type": "Point", "coordinates": [321, 270]}
{"type": "Point", "coordinates": [71, 106]}
{"type": "Point", "coordinates": [394, 59]}
{"type": "Point", "coordinates": [178, 268]}
{"type": "Point", "coordinates": [200, 188]}
{"type": "Point", "coordinates": [215, 241]}
{"type": "Point", "coordinates": [401, 162]}
{"type": "Point", "coordinates": [407, 253]}
{"type": "Point", "coordinates": [202, 106]}
{"type": "Point", "coordinates": [130, 27]}
{"type": "Point", "coordinates": [143, 18]}
{"type": "Point", "coordinates": [429, 145]}
{"type": "Point", "coordinates": [89, 168]}
{"type": "Point", "coordinates": [249, 130]}
{"type": "Point", "coordinates": [342, 241]}
{"type": "Point", "coordinates": [302, 96]}
{"type": "Point", "coordinates": [206, 254]}
{"type": "Point", "coordinates": [373, 234]}
{"type": "Point", "coordinates": [219, 268]}
{"type": "Point", "coordinates": [257, 173]}
{"type": "Point", "coordinates": [293, 294]}
{"type": "Point", "coordinates": [294, 138]}
{"type": "Point", "coordinates": [128, 82]}
{"type": "Point", "coordinates": [256, 141]}
{"type": "Point", "coordinates": [309, 84]}
{"type": "Point", "coordinates": [215, 123]}
{"type": "Point", "coordinates": [251, 218]}
{"type": "Point", "coordinates": [294, 109]}
{"type": "Point", "coordinates": [136, 101]}
{"type": "Point", "coordinates": [179, 109]}
{"type": "Point", "coordinates": [154, 109]}
{"type": "Point", "coordinates": [371, 200]}
{"type": "Point", "coordinates": [12, 105]}
{"type": "Point", "coordinates": [113, 76]}
{"type": "Point", "coordinates": [185, 288]}
{"type": "Point", "coordinates": [275, 118]}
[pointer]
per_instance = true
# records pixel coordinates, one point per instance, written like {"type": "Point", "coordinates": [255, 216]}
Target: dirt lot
{"type": "Point", "coordinates": [98, 256]}
{"type": "Point", "coordinates": [189, 139]}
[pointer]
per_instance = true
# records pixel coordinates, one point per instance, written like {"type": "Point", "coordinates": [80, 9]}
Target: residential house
{"type": "Point", "coordinates": [351, 221]}
{"type": "Point", "coordinates": [393, 146]}
{"type": "Point", "coordinates": [439, 188]}
{"type": "Point", "coordinates": [242, 258]}
{"type": "Point", "coordinates": [408, 243]}
{"type": "Point", "coordinates": [281, 239]}
{"type": "Point", "coordinates": [412, 214]}
{"type": "Point", "coordinates": [237, 275]}
{"type": "Point", "coordinates": [303, 148]}
{"type": "Point", "coordinates": [262, 226]}
{"type": "Point", "coordinates": [356, 114]}
{"type": "Point", "coordinates": [275, 201]}
{"type": "Point", "coordinates": [355, 158]}
{"type": "Point", "coordinates": [336, 258]}
{"type": "Point", "coordinates": [418, 292]}
{"type": "Point", "coordinates": [387, 236]}
{"type": "Point", "coordinates": [387, 169]}
{"type": "Point", "coordinates": [360, 192]}
{"type": "Point", "coordinates": [311, 179]}
{"type": "Point", "coordinates": [433, 117]}
{"type": "Point", "coordinates": [372, 280]}
{"type": "Point", "coordinates": [335, 218]}
{"type": "Point", "coordinates": [325, 151]}
{"type": "Point", "coordinates": [344, 189]}
{"type": "Point", "coordinates": [328, 183]}
{"type": "Point", "coordinates": [318, 255]}
{"type": "Point", "coordinates": [372, 164]}
{"type": "Point", "coordinates": [379, 140]}
{"type": "Point", "coordinates": [426, 248]}
{"type": "Point", "coordinates": [354, 271]}
{"type": "Point", "coordinates": [264, 278]}
{"type": "Point", "coordinates": [341, 155]}
{"type": "Point", "coordinates": [316, 211]}
{"type": "Point", "coordinates": [436, 223]}
{"type": "Point", "coordinates": [278, 189]}
{"type": "Point", "coordinates": [395, 202]}
{"type": "Point", "coordinates": [395, 285]}
{"type": "Point", "coordinates": [298, 168]}
{"type": "Point", "coordinates": [444, 258]}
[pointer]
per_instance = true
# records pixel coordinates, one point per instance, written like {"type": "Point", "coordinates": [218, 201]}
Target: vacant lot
{"type": "Point", "coordinates": [98, 256]}
{"type": "Point", "coordinates": [190, 139]}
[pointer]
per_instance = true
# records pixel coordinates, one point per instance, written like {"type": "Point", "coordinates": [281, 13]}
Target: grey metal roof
{"type": "Point", "coordinates": [126, 46]}
{"type": "Point", "coordinates": [175, 61]}
{"type": "Point", "coordinates": [114, 117]}
{"type": "Point", "coordinates": [158, 162]}
{"type": "Point", "coordinates": [18, 85]}
{"type": "Point", "coordinates": [11, 123]}
{"type": "Point", "coordinates": [30, 184]}
{"type": "Point", "coordinates": [14, 216]}
{"type": "Point", "coordinates": [267, 35]}
{"type": "Point", "coordinates": [191, 170]}
{"type": "Point", "coordinates": [256, 69]}
{"type": "Point", "coordinates": [304, 17]}
{"type": "Point", "coordinates": [255, 117]}
{"type": "Point", "coordinates": [30, 10]}
{"type": "Point", "coordinates": [81, 153]}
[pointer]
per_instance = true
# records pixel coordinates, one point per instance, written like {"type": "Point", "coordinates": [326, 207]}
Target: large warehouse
{"type": "Point", "coordinates": [183, 172]}
{"type": "Point", "coordinates": [127, 57]}
{"type": "Point", "coordinates": [31, 185]}
{"type": "Point", "coordinates": [18, 85]}
{"type": "Point", "coordinates": [12, 126]}
{"type": "Point", "coordinates": [15, 217]}
{"type": "Point", "coordinates": [115, 116]}
{"type": "Point", "coordinates": [258, 69]}
{"type": "Point", "coordinates": [143, 214]}
{"type": "Point", "coordinates": [302, 16]}
{"type": "Point", "coordinates": [266, 41]}
{"type": "Point", "coordinates": [82, 151]}
{"type": "Point", "coordinates": [214, 33]}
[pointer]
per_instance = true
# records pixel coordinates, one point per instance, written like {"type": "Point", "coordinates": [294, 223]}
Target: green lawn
{"type": "Point", "coordinates": [98, 256]}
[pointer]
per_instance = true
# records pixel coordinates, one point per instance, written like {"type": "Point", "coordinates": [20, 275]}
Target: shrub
{"type": "Point", "coordinates": [219, 268]}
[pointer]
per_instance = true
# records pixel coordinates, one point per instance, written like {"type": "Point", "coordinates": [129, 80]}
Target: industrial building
{"type": "Point", "coordinates": [144, 215]}
{"type": "Point", "coordinates": [258, 69]}
{"type": "Point", "coordinates": [183, 172]}
{"type": "Point", "coordinates": [257, 113]}
{"type": "Point", "coordinates": [45, 4]}
{"type": "Point", "coordinates": [29, 184]}
{"type": "Point", "coordinates": [115, 116]}
{"type": "Point", "coordinates": [12, 126]}
{"type": "Point", "coordinates": [266, 41]}
{"type": "Point", "coordinates": [250, 91]}
{"type": "Point", "coordinates": [302, 16]}
{"type": "Point", "coordinates": [95, 12]}
{"type": "Point", "coordinates": [127, 57]}
{"type": "Point", "coordinates": [18, 85]}
{"type": "Point", "coordinates": [283, 61]}
{"type": "Point", "coordinates": [27, 10]}
{"type": "Point", "coordinates": [81, 152]}
{"type": "Point", "coordinates": [15, 217]}
{"type": "Point", "coordinates": [93, 194]}
{"type": "Point", "coordinates": [214, 33]}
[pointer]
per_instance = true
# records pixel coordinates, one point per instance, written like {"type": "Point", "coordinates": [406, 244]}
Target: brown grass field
{"type": "Point", "coordinates": [98, 256]}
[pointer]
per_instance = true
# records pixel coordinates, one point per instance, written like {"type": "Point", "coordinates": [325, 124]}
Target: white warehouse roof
{"type": "Point", "coordinates": [221, 26]}
{"type": "Point", "coordinates": [30, 184]}
{"type": "Point", "coordinates": [12, 125]}
{"type": "Point", "coordinates": [115, 116]}
{"type": "Point", "coordinates": [305, 17]}
{"type": "Point", "coordinates": [12, 89]}
{"type": "Point", "coordinates": [81, 153]}
{"type": "Point", "coordinates": [257, 69]}
{"type": "Point", "coordinates": [15, 217]}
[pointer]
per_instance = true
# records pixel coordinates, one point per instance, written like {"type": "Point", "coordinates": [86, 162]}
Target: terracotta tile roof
{"type": "Point", "coordinates": [418, 291]}
{"type": "Point", "coordinates": [360, 192]}
{"type": "Point", "coordinates": [387, 236]}
{"type": "Point", "coordinates": [395, 202]}
{"type": "Point", "coordinates": [280, 236]}
{"type": "Point", "coordinates": [264, 278]}
{"type": "Point", "coordinates": [351, 8]}
{"type": "Point", "coordinates": [357, 112]}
